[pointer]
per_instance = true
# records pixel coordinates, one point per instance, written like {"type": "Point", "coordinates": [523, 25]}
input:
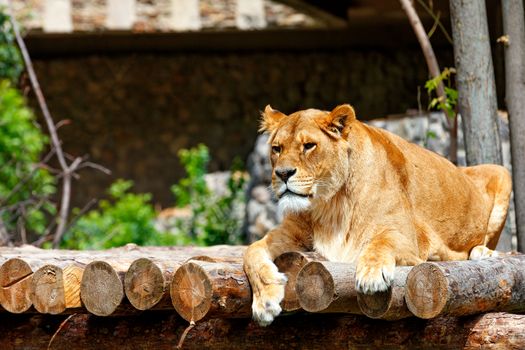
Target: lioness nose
{"type": "Point", "coordinates": [285, 173]}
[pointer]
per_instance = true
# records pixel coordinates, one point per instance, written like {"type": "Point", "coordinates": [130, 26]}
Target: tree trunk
{"type": "Point", "coordinates": [460, 288]}
{"type": "Point", "coordinates": [164, 330]}
{"type": "Point", "coordinates": [475, 81]}
{"type": "Point", "coordinates": [206, 289]}
{"type": "Point", "coordinates": [290, 264]}
{"type": "Point", "coordinates": [514, 28]}
{"type": "Point", "coordinates": [324, 286]}
{"type": "Point", "coordinates": [389, 305]}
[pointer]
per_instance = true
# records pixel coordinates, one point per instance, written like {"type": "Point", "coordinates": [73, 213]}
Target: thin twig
{"type": "Point", "coordinates": [184, 334]}
{"type": "Point", "coordinates": [82, 211]}
{"type": "Point", "coordinates": [58, 330]}
{"type": "Point", "coordinates": [436, 19]}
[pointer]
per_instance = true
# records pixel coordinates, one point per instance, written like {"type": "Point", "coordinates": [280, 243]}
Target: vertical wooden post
{"type": "Point", "coordinates": [514, 29]}
{"type": "Point", "coordinates": [475, 80]}
{"type": "Point", "coordinates": [120, 14]}
{"type": "Point", "coordinates": [250, 14]}
{"type": "Point", "coordinates": [57, 16]}
{"type": "Point", "coordinates": [185, 15]}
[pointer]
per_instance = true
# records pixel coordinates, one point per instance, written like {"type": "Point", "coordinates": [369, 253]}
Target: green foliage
{"type": "Point", "coordinates": [128, 217]}
{"type": "Point", "coordinates": [124, 218]}
{"type": "Point", "coordinates": [22, 180]}
{"type": "Point", "coordinates": [10, 59]}
{"type": "Point", "coordinates": [192, 187]}
{"type": "Point", "coordinates": [451, 95]}
{"type": "Point", "coordinates": [214, 218]}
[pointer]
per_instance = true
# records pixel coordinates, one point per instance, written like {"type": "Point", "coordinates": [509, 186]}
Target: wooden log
{"type": "Point", "coordinates": [389, 305]}
{"type": "Point", "coordinates": [467, 287]}
{"type": "Point", "coordinates": [290, 264]}
{"type": "Point", "coordinates": [324, 286]}
{"type": "Point", "coordinates": [147, 282]}
{"type": "Point", "coordinates": [102, 287]}
{"type": "Point", "coordinates": [320, 331]}
{"type": "Point", "coordinates": [205, 289]}
{"type": "Point", "coordinates": [56, 287]}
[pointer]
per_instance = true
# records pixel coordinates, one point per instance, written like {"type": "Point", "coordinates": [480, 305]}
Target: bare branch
{"type": "Point", "coordinates": [433, 67]}
{"type": "Point", "coordinates": [68, 170]}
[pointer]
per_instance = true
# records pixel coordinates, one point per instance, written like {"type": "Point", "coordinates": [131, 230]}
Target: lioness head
{"type": "Point", "coordinates": [309, 154]}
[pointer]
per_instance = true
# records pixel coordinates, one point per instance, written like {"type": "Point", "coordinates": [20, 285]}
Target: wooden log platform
{"type": "Point", "coordinates": [152, 293]}
{"type": "Point", "coordinates": [460, 288]}
{"type": "Point", "coordinates": [162, 330]}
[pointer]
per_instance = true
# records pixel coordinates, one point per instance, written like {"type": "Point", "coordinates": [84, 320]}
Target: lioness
{"type": "Point", "coordinates": [359, 194]}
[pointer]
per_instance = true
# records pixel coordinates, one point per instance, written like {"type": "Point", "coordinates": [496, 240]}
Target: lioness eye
{"type": "Point", "coordinates": [308, 146]}
{"type": "Point", "coordinates": [276, 149]}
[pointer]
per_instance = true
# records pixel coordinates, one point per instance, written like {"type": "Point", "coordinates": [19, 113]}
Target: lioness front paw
{"type": "Point", "coordinates": [481, 252]}
{"type": "Point", "coordinates": [266, 302]}
{"type": "Point", "coordinates": [374, 276]}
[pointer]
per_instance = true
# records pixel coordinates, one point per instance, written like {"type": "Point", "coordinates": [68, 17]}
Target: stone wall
{"type": "Point", "coordinates": [133, 112]}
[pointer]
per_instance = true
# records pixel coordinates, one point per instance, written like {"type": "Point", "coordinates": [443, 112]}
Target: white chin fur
{"type": "Point", "coordinates": [293, 204]}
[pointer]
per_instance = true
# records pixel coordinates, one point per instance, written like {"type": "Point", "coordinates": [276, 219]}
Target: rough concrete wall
{"type": "Point", "coordinates": [132, 113]}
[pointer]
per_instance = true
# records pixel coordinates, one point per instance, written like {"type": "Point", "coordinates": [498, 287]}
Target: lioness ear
{"type": "Point", "coordinates": [338, 121]}
{"type": "Point", "coordinates": [270, 119]}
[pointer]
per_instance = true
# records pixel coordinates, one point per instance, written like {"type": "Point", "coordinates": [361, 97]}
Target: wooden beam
{"type": "Point", "coordinates": [250, 14]}
{"type": "Point", "coordinates": [120, 14]}
{"type": "Point", "coordinates": [164, 331]}
{"type": "Point", "coordinates": [185, 15]}
{"type": "Point", "coordinates": [57, 16]}
{"type": "Point", "coordinates": [316, 13]}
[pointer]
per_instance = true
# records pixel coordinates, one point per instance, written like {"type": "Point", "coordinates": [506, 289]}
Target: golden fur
{"type": "Point", "coordinates": [359, 194]}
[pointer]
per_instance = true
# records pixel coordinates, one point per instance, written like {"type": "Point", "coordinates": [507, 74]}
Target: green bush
{"type": "Point", "coordinates": [215, 219]}
{"type": "Point", "coordinates": [128, 217]}
{"type": "Point", "coordinates": [24, 185]}
{"type": "Point", "coordinates": [124, 218]}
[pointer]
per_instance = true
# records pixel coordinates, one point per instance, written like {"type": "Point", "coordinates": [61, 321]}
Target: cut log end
{"type": "Point", "coordinates": [290, 264]}
{"type": "Point", "coordinates": [315, 287]}
{"type": "Point", "coordinates": [48, 290]}
{"type": "Point", "coordinates": [426, 291]}
{"type": "Point", "coordinates": [144, 284]}
{"type": "Point", "coordinates": [15, 285]}
{"type": "Point", "coordinates": [375, 305]}
{"type": "Point", "coordinates": [191, 292]}
{"type": "Point", "coordinates": [101, 289]}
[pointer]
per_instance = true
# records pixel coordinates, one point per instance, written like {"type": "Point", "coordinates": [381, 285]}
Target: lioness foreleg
{"type": "Point", "coordinates": [266, 281]}
{"type": "Point", "coordinates": [377, 262]}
